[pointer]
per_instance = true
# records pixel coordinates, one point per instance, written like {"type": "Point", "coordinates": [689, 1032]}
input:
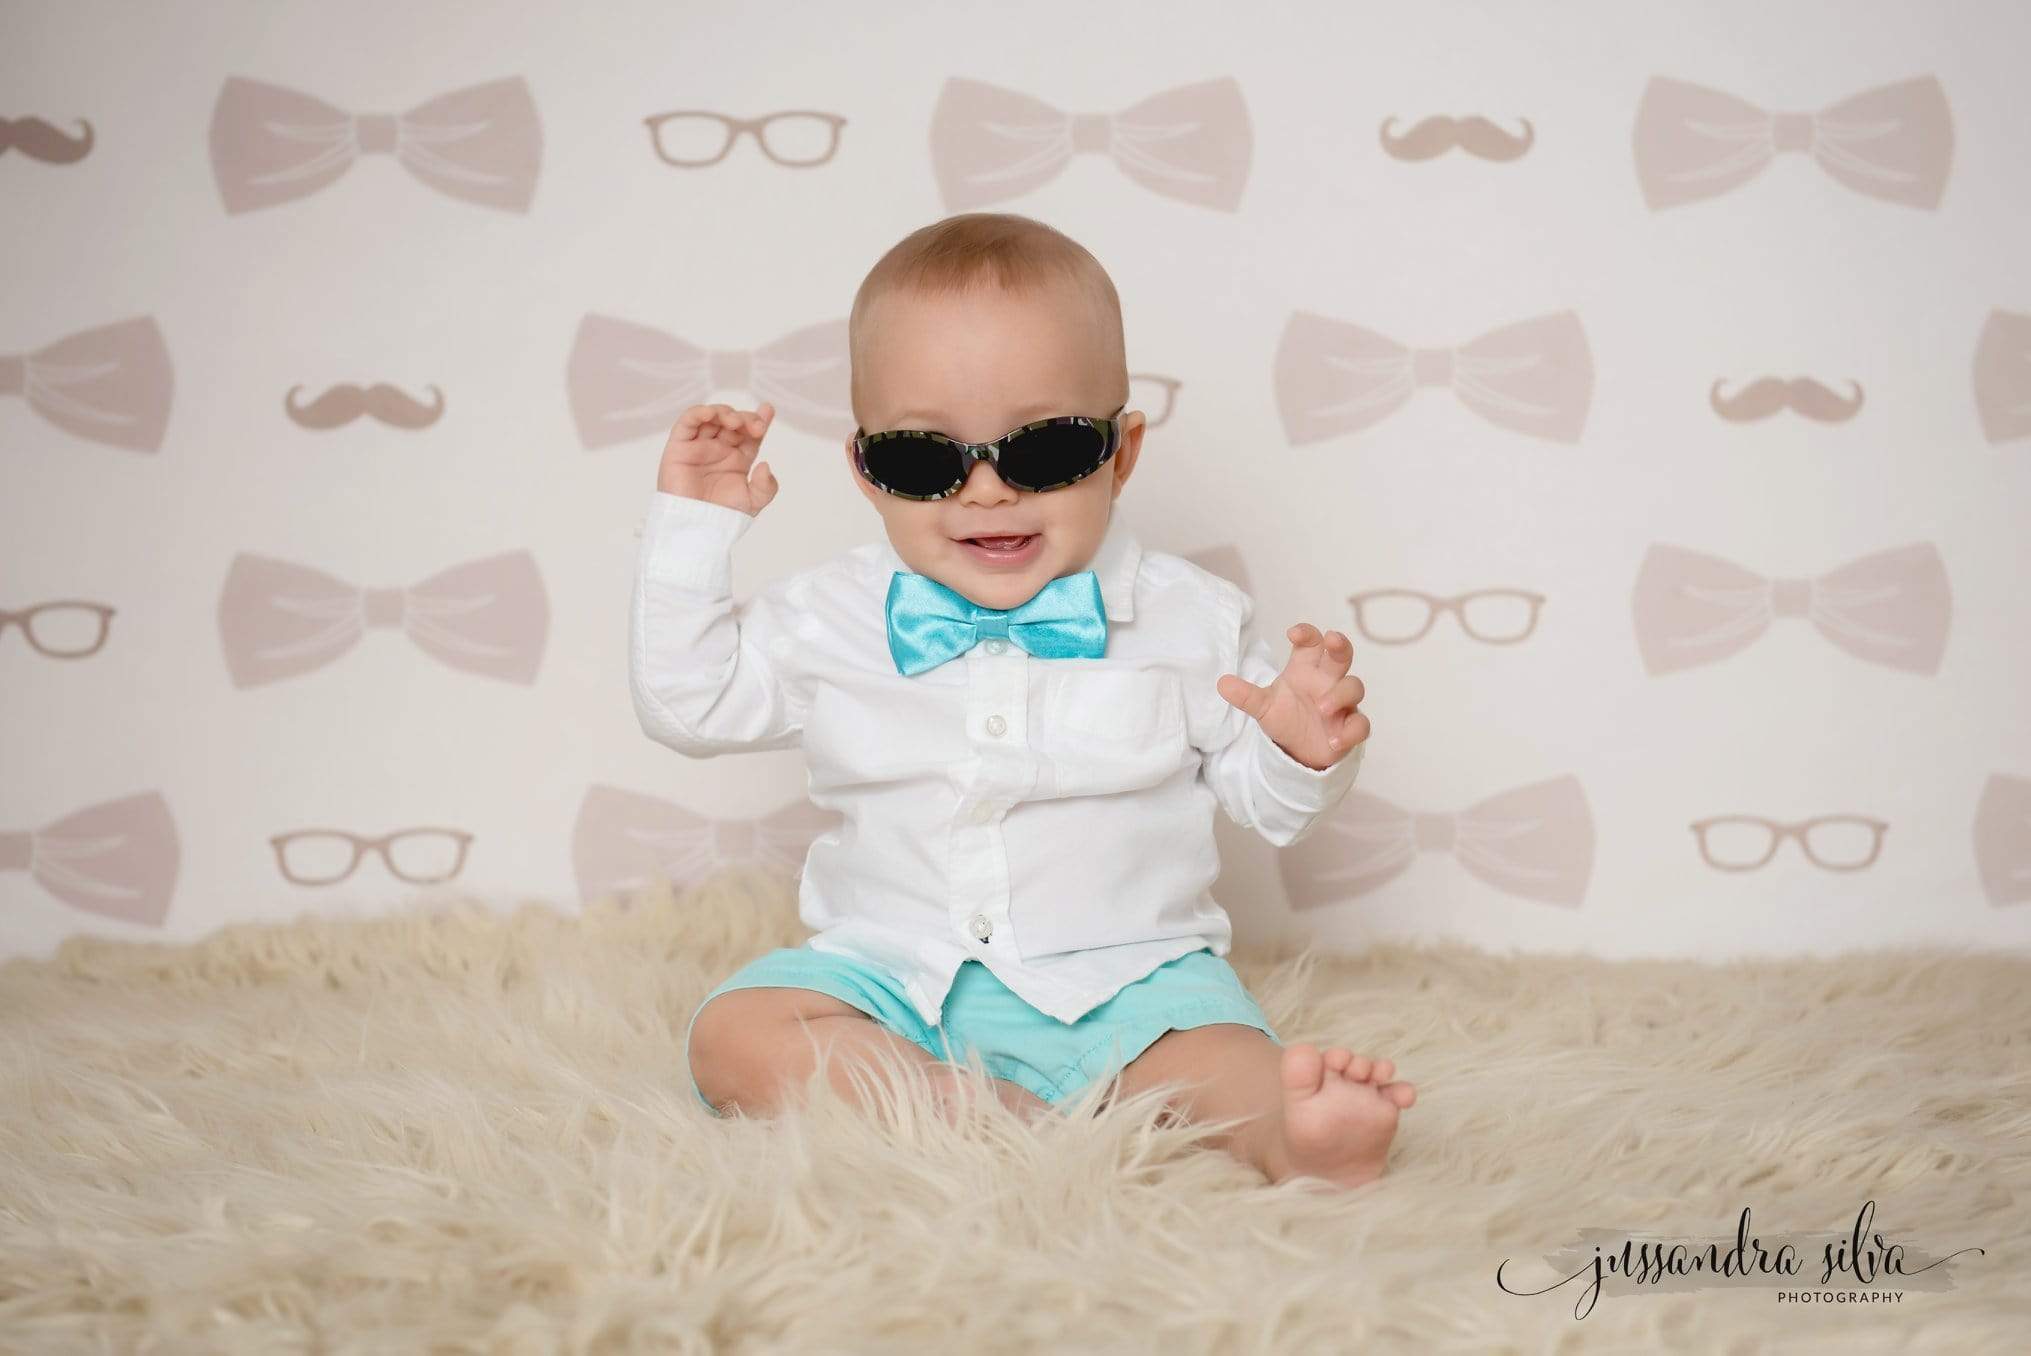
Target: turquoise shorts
{"type": "Point", "coordinates": [1015, 1041]}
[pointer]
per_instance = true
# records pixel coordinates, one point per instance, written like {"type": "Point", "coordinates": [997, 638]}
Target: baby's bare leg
{"type": "Point", "coordinates": [755, 1048]}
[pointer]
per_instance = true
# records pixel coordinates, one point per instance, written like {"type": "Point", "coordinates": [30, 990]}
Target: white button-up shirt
{"type": "Point", "coordinates": [1050, 818]}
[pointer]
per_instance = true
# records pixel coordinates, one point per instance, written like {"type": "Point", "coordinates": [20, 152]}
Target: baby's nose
{"type": "Point", "coordinates": [985, 479]}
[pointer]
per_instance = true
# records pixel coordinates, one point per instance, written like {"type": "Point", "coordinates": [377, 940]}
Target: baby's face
{"type": "Point", "coordinates": [973, 367]}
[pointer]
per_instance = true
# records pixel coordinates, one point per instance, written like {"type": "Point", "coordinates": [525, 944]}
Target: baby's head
{"type": "Point", "coordinates": [971, 327]}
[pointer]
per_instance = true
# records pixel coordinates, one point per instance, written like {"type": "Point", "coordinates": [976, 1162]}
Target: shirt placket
{"type": "Point", "coordinates": [997, 728]}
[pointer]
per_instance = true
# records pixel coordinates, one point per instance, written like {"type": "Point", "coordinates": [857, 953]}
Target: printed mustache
{"type": "Point", "coordinates": [39, 140]}
{"type": "Point", "coordinates": [1767, 395]}
{"type": "Point", "coordinates": [346, 402]}
{"type": "Point", "coordinates": [1475, 135]}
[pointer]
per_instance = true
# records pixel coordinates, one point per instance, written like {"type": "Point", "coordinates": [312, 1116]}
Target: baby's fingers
{"type": "Point", "coordinates": [727, 424]}
{"type": "Point", "coordinates": [1347, 730]}
{"type": "Point", "coordinates": [1348, 692]}
{"type": "Point", "coordinates": [697, 419]}
{"type": "Point", "coordinates": [1339, 650]}
{"type": "Point", "coordinates": [1241, 694]}
{"type": "Point", "coordinates": [1301, 634]}
{"type": "Point", "coordinates": [743, 428]}
{"type": "Point", "coordinates": [741, 423]}
{"type": "Point", "coordinates": [1329, 653]}
{"type": "Point", "coordinates": [720, 421]}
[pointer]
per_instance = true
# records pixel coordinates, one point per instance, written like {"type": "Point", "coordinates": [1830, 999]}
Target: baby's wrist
{"type": "Point", "coordinates": [1288, 753]}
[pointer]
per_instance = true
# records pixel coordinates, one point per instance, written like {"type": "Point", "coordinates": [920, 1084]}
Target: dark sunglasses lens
{"type": "Point", "coordinates": [921, 467]}
{"type": "Point", "coordinates": [1051, 455]}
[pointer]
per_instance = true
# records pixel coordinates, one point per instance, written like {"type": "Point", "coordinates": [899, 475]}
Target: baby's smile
{"type": "Point", "coordinates": [1005, 551]}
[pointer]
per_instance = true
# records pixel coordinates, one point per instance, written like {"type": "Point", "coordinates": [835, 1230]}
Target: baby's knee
{"type": "Point", "coordinates": [723, 1050]}
{"type": "Point", "coordinates": [742, 1042]}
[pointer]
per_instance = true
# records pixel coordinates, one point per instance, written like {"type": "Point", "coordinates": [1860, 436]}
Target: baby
{"type": "Point", "coordinates": [1023, 719]}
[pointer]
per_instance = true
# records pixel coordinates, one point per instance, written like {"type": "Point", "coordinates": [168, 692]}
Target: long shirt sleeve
{"type": "Point", "coordinates": [709, 676]}
{"type": "Point", "coordinates": [1258, 785]}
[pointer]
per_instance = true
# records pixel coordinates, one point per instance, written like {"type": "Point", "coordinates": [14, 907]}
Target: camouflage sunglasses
{"type": "Point", "coordinates": [1047, 454]}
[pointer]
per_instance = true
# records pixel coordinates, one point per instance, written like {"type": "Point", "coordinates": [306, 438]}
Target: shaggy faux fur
{"type": "Point", "coordinates": [464, 1131]}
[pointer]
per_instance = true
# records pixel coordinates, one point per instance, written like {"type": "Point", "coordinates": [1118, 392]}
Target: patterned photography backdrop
{"type": "Point", "coordinates": [1645, 389]}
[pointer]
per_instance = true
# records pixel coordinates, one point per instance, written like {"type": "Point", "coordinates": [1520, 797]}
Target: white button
{"type": "Point", "coordinates": [982, 813]}
{"type": "Point", "coordinates": [981, 927]}
{"type": "Point", "coordinates": [996, 725]}
{"type": "Point", "coordinates": [996, 646]}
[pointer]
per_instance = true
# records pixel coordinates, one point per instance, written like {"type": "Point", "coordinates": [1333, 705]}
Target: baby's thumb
{"type": "Point", "coordinates": [1241, 694]}
{"type": "Point", "coordinates": [763, 487]}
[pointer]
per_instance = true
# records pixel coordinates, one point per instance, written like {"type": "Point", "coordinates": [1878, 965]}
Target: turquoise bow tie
{"type": "Point", "coordinates": [929, 623]}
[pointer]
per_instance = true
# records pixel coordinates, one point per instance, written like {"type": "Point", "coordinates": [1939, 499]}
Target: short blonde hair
{"type": "Point", "coordinates": [1002, 249]}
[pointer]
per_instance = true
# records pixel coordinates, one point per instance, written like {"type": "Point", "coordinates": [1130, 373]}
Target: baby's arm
{"type": "Point", "coordinates": [1256, 782]}
{"type": "Point", "coordinates": [709, 677]}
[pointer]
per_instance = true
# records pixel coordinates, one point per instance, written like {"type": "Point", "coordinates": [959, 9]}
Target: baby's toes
{"type": "Point", "coordinates": [1359, 1067]}
{"type": "Point", "coordinates": [1337, 1058]}
{"type": "Point", "coordinates": [1403, 1094]}
{"type": "Point", "coordinates": [1304, 1071]}
{"type": "Point", "coordinates": [1384, 1070]}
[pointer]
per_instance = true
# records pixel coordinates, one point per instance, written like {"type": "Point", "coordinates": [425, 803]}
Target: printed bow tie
{"type": "Point", "coordinates": [929, 623]}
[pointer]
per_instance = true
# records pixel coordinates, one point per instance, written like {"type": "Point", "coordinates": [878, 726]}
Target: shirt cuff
{"type": "Point", "coordinates": [690, 541]}
{"type": "Point", "coordinates": [1306, 789]}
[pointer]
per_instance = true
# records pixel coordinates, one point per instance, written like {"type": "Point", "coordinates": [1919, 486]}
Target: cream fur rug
{"type": "Point", "coordinates": [465, 1131]}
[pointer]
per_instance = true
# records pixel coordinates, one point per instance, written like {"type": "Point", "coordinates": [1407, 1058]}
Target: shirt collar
{"type": "Point", "coordinates": [1116, 563]}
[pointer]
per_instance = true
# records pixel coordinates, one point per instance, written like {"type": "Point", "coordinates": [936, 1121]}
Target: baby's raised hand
{"type": "Point", "coordinates": [710, 453]}
{"type": "Point", "coordinates": [1309, 710]}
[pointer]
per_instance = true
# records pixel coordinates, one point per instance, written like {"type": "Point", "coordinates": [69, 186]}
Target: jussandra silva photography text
{"type": "Point", "coordinates": [1858, 1267]}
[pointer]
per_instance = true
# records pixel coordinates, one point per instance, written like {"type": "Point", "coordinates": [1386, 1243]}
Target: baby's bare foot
{"type": "Point", "coordinates": [1339, 1113]}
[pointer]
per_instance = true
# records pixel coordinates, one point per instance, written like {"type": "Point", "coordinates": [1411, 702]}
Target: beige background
{"type": "Point", "coordinates": [378, 277]}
